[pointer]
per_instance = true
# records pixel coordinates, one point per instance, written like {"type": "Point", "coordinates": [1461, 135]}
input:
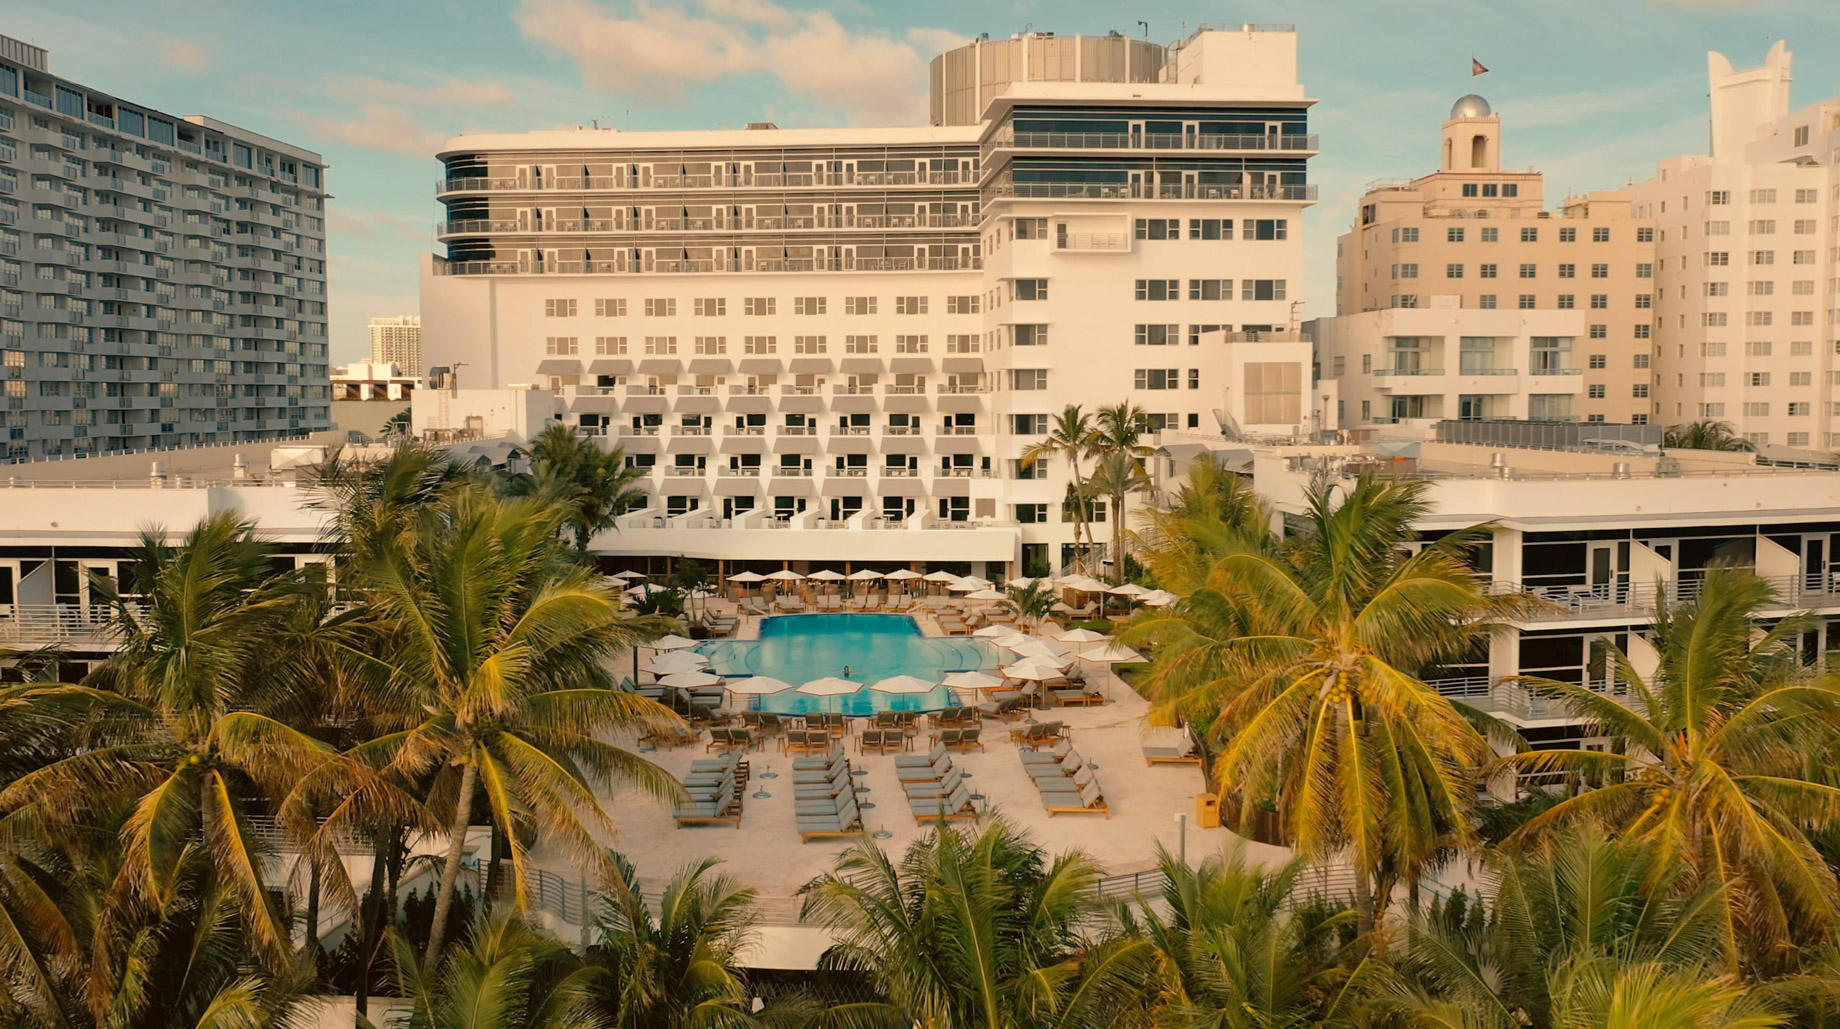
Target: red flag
{"type": "Point", "coordinates": [1475, 68]}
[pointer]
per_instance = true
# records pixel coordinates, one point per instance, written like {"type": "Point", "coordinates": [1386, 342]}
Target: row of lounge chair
{"type": "Point", "coordinates": [713, 790]}
{"type": "Point", "coordinates": [1067, 785]}
{"type": "Point", "coordinates": [936, 791]}
{"type": "Point", "coordinates": [824, 793]}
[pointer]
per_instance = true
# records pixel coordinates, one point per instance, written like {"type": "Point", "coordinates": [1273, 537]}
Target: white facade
{"type": "Point", "coordinates": [1449, 361]}
{"type": "Point", "coordinates": [1746, 311]}
{"type": "Point", "coordinates": [398, 341]}
{"type": "Point", "coordinates": [864, 328]}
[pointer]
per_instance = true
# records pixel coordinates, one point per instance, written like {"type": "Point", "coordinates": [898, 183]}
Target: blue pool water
{"type": "Point", "coordinates": [800, 648]}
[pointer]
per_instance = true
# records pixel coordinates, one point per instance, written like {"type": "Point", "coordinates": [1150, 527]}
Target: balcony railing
{"type": "Point", "coordinates": [35, 625]}
{"type": "Point", "coordinates": [1580, 599]}
{"type": "Point", "coordinates": [1155, 141]}
{"type": "Point", "coordinates": [1125, 191]}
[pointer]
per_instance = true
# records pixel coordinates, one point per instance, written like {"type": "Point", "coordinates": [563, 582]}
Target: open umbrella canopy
{"type": "Point", "coordinates": [1112, 653]}
{"type": "Point", "coordinates": [830, 686]}
{"type": "Point", "coordinates": [940, 577]}
{"type": "Point", "coordinates": [1129, 589]}
{"type": "Point", "coordinates": [758, 686]}
{"type": "Point", "coordinates": [991, 632]}
{"type": "Point", "coordinates": [1033, 669]}
{"type": "Point", "coordinates": [963, 586]}
{"type": "Point", "coordinates": [900, 684]}
{"type": "Point", "coordinates": [985, 594]}
{"type": "Point", "coordinates": [1159, 598]}
{"type": "Point", "coordinates": [1086, 584]}
{"type": "Point", "coordinates": [672, 642]}
{"type": "Point", "coordinates": [826, 575]}
{"type": "Point", "coordinates": [903, 574]}
{"type": "Point", "coordinates": [1038, 650]}
{"type": "Point", "coordinates": [1013, 640]}
{"type": "Point", "coordinates": [784, 575]}
{"type": "Point", "coordinates": [629, 574]}
{"type": "Point", "coordinates": [689, 680]}
{"type": "Point", "coordinates": [1022, 582]}
{"type": "Point", "coordinates": [1080, 636]}
{"type": "Point", "coordinates": [864, 575]}
{"type": "Point", "coordinates": [972, 681]}
{"type": "Point", "coordinates": [677, 661]}
{"type": "Point", "coordinates": [747, 577]}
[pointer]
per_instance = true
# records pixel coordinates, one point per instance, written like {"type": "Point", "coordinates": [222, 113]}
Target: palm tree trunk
{"type": "Point", "coordinates": [1117, 514]}
{"type": "Point", "coordinates": [312, 941]}
{"type": "Point", "coordinates": [450, 871]}
{"type": "Point", "coordinates": [1364, 901]}
{"type": "Point", "coordinates": [369, 914]}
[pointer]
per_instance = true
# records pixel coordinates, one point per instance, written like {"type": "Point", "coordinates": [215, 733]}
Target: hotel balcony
{"type": "Point", "coordinates": [1574, 598]}
{"type": "Point", "coordinates": [1125, 191]}
{"type": "Point", "coordinates": [1290, 143]}
{"type": "Point", "coordinates": [806, 535]}
{"type": "Point", "coordinates": [661, 183]}
{"type": "Point", "coordinates": [67, 625]}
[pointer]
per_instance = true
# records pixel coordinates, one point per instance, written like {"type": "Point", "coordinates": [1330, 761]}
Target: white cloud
{"type": "Point", "coordinates": [188, 57]}
{"type": "Point", "coordinates": [455, 91]}
{"type": "Point", "coordinates": [377, 127]}
{"type": "Point", "coordinates": [657, 51]}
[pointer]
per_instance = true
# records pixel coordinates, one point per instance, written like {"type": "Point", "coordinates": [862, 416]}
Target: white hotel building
{"type": "Point", "coordinates": [805, 330]}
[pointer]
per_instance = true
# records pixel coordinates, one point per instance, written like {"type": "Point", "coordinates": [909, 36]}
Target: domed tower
{"type": "Point", "coordinates": [1472, 136]}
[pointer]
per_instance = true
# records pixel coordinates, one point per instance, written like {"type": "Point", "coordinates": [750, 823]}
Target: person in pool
{"type": "Point", "coordinates": [846, 671]}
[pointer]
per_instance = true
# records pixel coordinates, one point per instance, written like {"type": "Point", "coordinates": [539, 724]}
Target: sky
{"type": "Point", "coordinates": [1592, 92]}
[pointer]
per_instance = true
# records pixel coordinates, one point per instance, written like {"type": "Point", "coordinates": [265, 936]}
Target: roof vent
{"type": "Point", "coordinates": [756, 125]}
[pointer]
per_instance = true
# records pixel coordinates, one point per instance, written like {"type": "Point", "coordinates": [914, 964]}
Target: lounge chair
{"type": "Point", "coordinates": [824, 805]}
{"type": "Point", "coordinates": [805, 764]}
{"type": "Point", "coordinates": [809, 776]}
{"type": "Point", "coordinates": [791, 605]}
{"type": "Point", "coordinates": [1065, 784]}
{"type": "Point", "coordinates": [753, 604]}
{"type": "Point", "coordinates": [726, 807]}
{"type": "Point", "coordinates": [934, 789]}
{"type": "Point", "coordinates": [1084, 696]}
{"type": "Point", "coordinates": [1088, 801]}
{"type": "Point", "coordinates": [1008, 710]}
{"type": "Point", "coordinates": [1053, 756]}
{"type": "Point", "coordinates": [962, 740]}
{"type": "Point", "coordinates": [726, 763]}
{"type": "Point", "coordinates": [930, 773]}
{"type": "Point", "coordinates": [808, 741]}
{"type": "Point", "coordinates": [830, 787]}
{"type": "Point", "coordinates": [742, 739]}
{"type": "Point", "coordinates": [953, 806]}
{"type": "Point", "coordinates": [846, 822]}
{"type": "Point", "coordinates": [1030, 734]}
{"type": "Point", "coordinates": [937, 754]}
{"type": "Point", "coordinates": [1069, 765]}
{"type": "Point", "coordinates": [1182, 754]}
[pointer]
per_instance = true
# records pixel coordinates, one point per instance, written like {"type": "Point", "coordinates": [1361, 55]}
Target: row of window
{"type": "Point", "coordinates": [1762, 348]}
{"type": "Point", "coordinates": [1529, 234]}
{"type": "Point", "coordinates": [1211, 289]}
{"type": "Point", "coordinates": [1141, 378]}
{"type": "Point", "coordinates": [1715, 380]}
{"type": "Point", "coordinates": [1766, 195]}
{"type": "Point", "coordinates": [1759, 288]}
{"type": "Point", "coordinates": [570, 346]}
{"type": "Point", "coordinates": [1530, 271]}
{"type": "Point", "coordinates": [1212, 228]}
{"type": "Point", "coordinates": [1715, 319]}
{"type": "Point", "coordinates": [666, 307]}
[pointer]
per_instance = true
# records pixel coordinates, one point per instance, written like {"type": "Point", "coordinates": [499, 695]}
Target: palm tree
{"type": "Point", "coordinates": [186, 721]}
{"type": "Point", "coordinates": [1208, 514]}
{"type": "Point", "coordinates": [1032, 603]}
{"type": "Point", "coordinates": [677, 970]}
{"type": "Point", "coordinates": [1116, 477]}
{"type": "Point", "coordinates": [596, 485]}
{"type": "Point", "coordinates": [1072, 438]}
{"type": "Point", "coordinates": [1231, 953]}
{"type": "Point", "coordinates": [508, 976]}
{"type": "Point", "coordinates": [973, 929]}
{"type": "Point", "coordinates": [1583, 931]}
{"type": "Point", "coordinates": [1120, 430]}
{"type": "Point", "coordinates": [1704, 435]}
{"type": "Point", "coordinates": [1302, 664]}
{"type": "Point", "coordinates": [498, 641]}
{"type": "Point", "coordinates": [1710, 764]}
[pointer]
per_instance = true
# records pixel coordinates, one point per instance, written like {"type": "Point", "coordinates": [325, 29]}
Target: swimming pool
{"type": "Point", "coordinates": [800, 648]}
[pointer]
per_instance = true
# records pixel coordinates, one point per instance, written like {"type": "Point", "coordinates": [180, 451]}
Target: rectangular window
{"type": "Point", "coordinates": [1028, 378]}
{"type": "Point", "coordinates": [1568, 235]}
{"type": "Point", "coordinates": [1600, 332]}
{"type": "Point", "coordinates": [858, 305]}
{"type": "Point", "coordinates": [610, 307]}
{"type": "Point", "coordinates": [1529, 271]}
{"type": "Point", "coordinates": [1639, 391]}
{"type": "Point", "coordinates": [1645, 301]}
{"type": "Point", "coordinates": [1486, 301]}
{"type": "Point", "coordinates": [1207, 228]}
{"type": "Point", "coordinates": [1031, 514]}
{"type": "Point", "coordinates": [1218, 289]}
{"type": "Point", "coordinates": [966, 304]}
{"type": "Point", "coordinates": [910, 344]}
{"type": "Point", "coordinates": [810, 344]}
{"type": "Point", "coordinates": [709, 307]}
{"type": "Point", "coordinates": [1453, 235]}
{"type": "Point", "coordinates": [1600, 271]}
{"type": "Point", "coordinates": [1491, 235]}
{"type": "Point", "coordinates": [1159, 289]}
{"type": "Point", "coordinates": [562, 346]}
{"type": "Point", "coordinates": [1195, 332]}
{"type": "Point", "coordinates": [1568, 271]}
{"type": "Point", "coordinates": [1600, 301]}
{"type": "Point", "coordinates": [1028, 425]}
{"type": "Point", "coordinates": [657, 345]}
{"type": "Point", "coordinates": [660, 307]}
{"type": "Point", "coordinates": [1158, 228]}
{"type": "Point", "coordinates": [606, 345]}
{"type": "Point", "coordinates": [759, 306]}
{"type": "Point", "coordinates": [1761, 257]}
{"type": "Point", "coordinates": [860, 344]}
{"type": "Point", "coordinates": [1597, 360]}
{"type": "Point", "coordinates": [1567, 301]}
{"type": "Point", "coordinates": [1530, 235]}
{"type": "Point", "coordinates": [1487, 271]}
{"type": "Point", "coordinates": [1261, 289]}
{"type": "Point", "coordinates": [1645, 271]}
{"type": "Point", "coordinates": [1263, 228]}
{"type": "Point", "coordinates": [1798, 408]}
{"type": "Point", "coordinates": [1156, 378]}
{"type": "Point", "coordinates": [1529, 301]}
{"type": "Point", "coordinates": [1030, 335]}
{"type": "Point", "coordinates": [558, 308]}
{"type": "Point", "coordinates": [1156, 336]}
{"type": "Point", "coordinates": [917, 305]}
{"type": "Point", "coordinates": [759, 344]}
{"type": "Point", "coordinates": [1596, 391]}
{"type": "Point", "coordinates": [1453, 271]}
{"type": "Point", "coordinates": [710, 345]}
{"type": "Point", "coordinates": [807, 305]}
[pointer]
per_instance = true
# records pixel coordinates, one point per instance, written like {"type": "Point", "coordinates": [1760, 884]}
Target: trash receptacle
{"type": "Point", "coordinates": [1207, 810]}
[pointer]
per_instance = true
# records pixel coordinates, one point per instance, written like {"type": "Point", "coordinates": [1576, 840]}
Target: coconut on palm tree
{"type": "Point", "coordinates": [1072, 437]}
{"type": "Point", "coordinates": [1711, 763]}
{"type": "Point", "coordinates": [1301, 661]}
{"type": "Point", "coordinates": [497, 642]}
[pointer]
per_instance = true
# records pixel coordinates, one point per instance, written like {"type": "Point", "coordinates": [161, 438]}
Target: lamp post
{"type": "Point", "coordinates": [1182, 837]}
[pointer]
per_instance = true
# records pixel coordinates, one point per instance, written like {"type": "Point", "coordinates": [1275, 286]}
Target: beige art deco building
{"type": "Point", "coordinates": [1746, 316]}
{"type": "Point", "coordinates": [1480, 238]}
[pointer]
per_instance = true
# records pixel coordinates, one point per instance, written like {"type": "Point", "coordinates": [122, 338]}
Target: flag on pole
{"type": "Point", "coordinates": [1475, 68]}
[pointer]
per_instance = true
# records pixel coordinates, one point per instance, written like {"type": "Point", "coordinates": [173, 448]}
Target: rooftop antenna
{"type": "Point", "coordinates": [1146, 27]}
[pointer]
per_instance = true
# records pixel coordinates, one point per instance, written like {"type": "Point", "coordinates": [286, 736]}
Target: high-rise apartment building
{"type": "Point", "coordinates": [162, 279]}
{"type": "Point", "coordinates": [865, 327]}
{"type": "Point", "coordinates": [398, 341]}
{"type": "Point", "coordinates": [1746, 312]}
{"type": "Point", "coordinates": [1539, 314]}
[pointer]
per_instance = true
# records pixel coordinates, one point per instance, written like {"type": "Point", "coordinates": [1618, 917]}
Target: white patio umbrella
{"type": "Point", "coordinates": [991, 632]}
{"type": "Point", "coordinates": [629, 574]}
{"type": "Point", "coordinates": [1022, 582]}
{"type": "Point", "coordinates": [1036, 650]}
{"type": "Point", "coordinates": [1013, 640]}
{"type": "Point", "coordinates": [1032, 669]}
{"type": "Point", "coordinates": [1080, 636]}
{"type": "Point", "coordinates": [784, 575]}
{"type": "Point", "coordinates": [986, 594]}
{"type": "Point", "coordinates": [1160, 598]}
{"type": "Point", "coordinates": [677, 661]}
{"type": "Point", "coordinates": [1129, 589]}
{"type": "Point", "coordinates": [940, 577]}
{"type": "Point", "coordinates": [1112, 653]}
{"type": "Point", "coordinates": [758, 686]}
{"type": "Point", "coordinates": [746, 577]}
{"type": "Point", "coordinates": [865, 574]}
{"type": "Point", "coordinates": [963, 586]}
{"type": "Point", "coordinates": [826, 575]}
{"type": "Point", "coordinates": [689, 680]}
{"type": "Point", "coordinates": [830, 686]}
{"type": "Point", "coordinates": [972, 681]}
{"type": "Point", "coordinates": [903, 574]}
{"type": "Point", "coordinates": [898, 685]}
{"type": "Point", "coordinates": [672, 642]}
